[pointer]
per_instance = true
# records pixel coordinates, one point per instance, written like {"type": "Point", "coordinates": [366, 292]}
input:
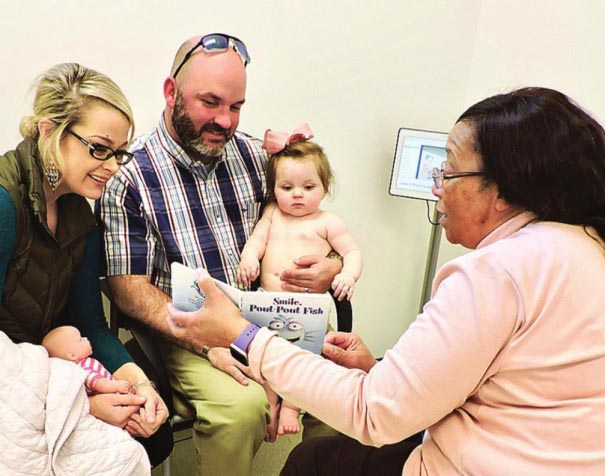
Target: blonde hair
{"type": "Point", "coordinates": [63, 94]}
{"type": "Point", "coordinates": [300, 151]}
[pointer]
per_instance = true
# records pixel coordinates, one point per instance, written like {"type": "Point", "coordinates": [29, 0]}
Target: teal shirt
{"type": "Point", "coordinates": [85, 307]}
{"type": "Point", "coordinates": [8, 231]}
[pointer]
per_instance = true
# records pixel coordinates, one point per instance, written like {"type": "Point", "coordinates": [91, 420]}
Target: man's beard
{"type": "Point", "coordinates": [192, 138]}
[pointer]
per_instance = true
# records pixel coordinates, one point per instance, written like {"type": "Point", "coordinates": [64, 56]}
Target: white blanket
{"type": "Point", "coordinates": [45, 426]}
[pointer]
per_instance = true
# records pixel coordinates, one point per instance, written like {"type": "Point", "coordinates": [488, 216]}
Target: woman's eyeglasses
{"type": "Point", "coordinates": [439, 175]}
{"type": "Point", "coordinates": [217, 42]}
{"type": "Point", "coordinates": [103, 152]}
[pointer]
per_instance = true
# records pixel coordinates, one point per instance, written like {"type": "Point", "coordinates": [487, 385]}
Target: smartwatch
{"type": "Point", "coordinates": [239, 348]}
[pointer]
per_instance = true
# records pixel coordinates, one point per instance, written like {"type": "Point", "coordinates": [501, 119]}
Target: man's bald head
{"type": "Point", "coordinates": [182, 51]}
{"type": "Point", "coordinates": [204, 101]}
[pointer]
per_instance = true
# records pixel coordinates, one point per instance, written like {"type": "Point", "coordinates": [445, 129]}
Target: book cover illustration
{"type": "Point", "coordinates": [300, 318]}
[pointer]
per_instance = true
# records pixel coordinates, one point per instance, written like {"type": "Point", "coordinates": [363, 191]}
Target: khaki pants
{"type": "Point", "coordinates": [231, 418]}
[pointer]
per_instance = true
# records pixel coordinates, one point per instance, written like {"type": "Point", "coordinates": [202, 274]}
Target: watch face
{"type": "Point", "coordinates": [239, 355]}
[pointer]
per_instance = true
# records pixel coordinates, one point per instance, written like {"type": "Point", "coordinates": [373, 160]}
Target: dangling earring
{"type": "Point", "coordinates": [52, 175]}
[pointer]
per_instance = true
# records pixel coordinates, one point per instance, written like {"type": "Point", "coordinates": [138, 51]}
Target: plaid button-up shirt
{"type": "Point", "coordinates": [163, 207]}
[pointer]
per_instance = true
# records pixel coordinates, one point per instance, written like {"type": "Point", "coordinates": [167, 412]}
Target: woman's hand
{"type": "Point", "coordinates": [348, 350]}
{"type": "Point", "coordinates": [151, 416]}
{"type": "Point", "coordinates": [115, 408]}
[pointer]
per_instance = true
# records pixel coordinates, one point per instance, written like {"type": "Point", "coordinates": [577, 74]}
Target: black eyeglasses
{"type": "Point", "coordinates": [103, 152]}
{"type": "Point", "coordinates": [214, 43]}
{"type": "Point", "coordinates": [439, 176]}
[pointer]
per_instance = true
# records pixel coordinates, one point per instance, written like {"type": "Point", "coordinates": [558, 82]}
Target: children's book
{"type": "Point", "coordinates": [300, 318]}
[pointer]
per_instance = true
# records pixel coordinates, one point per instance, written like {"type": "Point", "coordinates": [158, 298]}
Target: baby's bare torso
{"type": "Point", "coordinates": [290, 238]}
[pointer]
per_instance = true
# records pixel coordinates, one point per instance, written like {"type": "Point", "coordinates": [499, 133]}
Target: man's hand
{"type": "Point", "coordinates": [312, 274]}
{"type": "Point", "coordinates": [348, 350]}
{"type": "Point", "coordinates": [221, 358]}
{"type": "Point", "coordinates": [115, 408]}
{"type": "Point", "coordinates": [217, 324]}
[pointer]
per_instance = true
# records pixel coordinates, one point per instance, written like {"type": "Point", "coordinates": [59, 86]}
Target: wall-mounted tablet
{"type": "Point", "coordinates": [416, 154]}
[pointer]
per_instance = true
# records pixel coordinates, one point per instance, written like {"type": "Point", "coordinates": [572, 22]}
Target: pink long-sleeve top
{"type": "Point", "coordinates": [505, 366]}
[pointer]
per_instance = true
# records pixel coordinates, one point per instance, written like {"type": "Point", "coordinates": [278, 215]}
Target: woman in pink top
{"type": "Point", "coordinates": [505, 365]}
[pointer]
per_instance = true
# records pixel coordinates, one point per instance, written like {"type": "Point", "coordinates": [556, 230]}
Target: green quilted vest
{"type": "Point", "coordinates": [41, 266]}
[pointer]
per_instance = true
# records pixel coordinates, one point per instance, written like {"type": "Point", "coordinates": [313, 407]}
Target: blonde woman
{"type": "Point", "coordinates": [73, 143]}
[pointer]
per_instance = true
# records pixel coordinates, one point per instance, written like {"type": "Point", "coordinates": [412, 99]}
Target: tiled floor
{"type": "Point", "coordinates": [268, 461]}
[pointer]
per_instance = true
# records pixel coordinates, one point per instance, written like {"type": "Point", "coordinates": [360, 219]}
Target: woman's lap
{"type": "Point", "coordinates": [341, 455]}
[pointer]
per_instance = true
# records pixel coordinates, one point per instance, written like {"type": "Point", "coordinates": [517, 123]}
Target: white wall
{"type": "Point", "coordinates": [355, 72]}
{"type": "Point", "coordinates": [552, 43]}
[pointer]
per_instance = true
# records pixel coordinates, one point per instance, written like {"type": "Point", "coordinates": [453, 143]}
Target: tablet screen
{"type": "Point", "coordinates": [416, 154]}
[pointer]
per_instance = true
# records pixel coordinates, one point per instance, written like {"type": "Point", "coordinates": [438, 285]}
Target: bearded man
{"type": "Point", "coordinates": [192, 194]}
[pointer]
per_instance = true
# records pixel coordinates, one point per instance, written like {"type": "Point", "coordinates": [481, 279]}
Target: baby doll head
{"type": "Point", "coordinates": [66, 343]}
{"type": "Point", "coordinates": [304, 151]}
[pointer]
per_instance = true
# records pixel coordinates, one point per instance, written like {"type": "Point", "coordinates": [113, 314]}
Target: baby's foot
{"type": "Point", "coordinates": [288, 421]}
{"type": "Point", "coordinates": [271, 434]}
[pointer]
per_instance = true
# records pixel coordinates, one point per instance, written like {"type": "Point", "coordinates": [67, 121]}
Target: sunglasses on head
{"type": "Point", "coordinates": [215, 43]}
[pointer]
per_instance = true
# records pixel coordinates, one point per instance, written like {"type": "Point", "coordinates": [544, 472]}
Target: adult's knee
{"type": "Point", "coordinates": [251, 407]}
{"type": "Point", "coordinates": [302, 460]}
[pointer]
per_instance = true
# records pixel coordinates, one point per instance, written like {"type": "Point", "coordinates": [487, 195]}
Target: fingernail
{"type": "Point", "coordinates": [140, 398]}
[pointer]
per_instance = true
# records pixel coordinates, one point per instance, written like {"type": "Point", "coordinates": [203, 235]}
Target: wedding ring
{"type": "Point", "coordinates": [306, 290]}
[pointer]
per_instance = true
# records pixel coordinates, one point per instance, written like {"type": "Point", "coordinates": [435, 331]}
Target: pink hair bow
{"type": "Point", "coordinates": [275, 141]}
